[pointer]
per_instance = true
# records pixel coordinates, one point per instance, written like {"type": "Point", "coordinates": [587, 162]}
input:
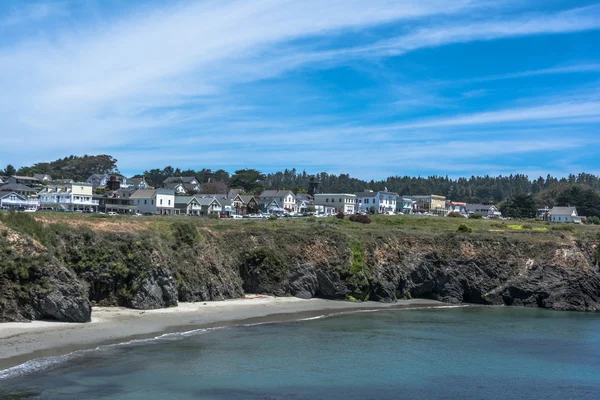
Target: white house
{"type": "Point", "coordinates": [189, 183]}
{"type": "Point", "coordinates": [155, 201]}
{"type": "Point", "coordinates": [382, 201]}
{"type": "Point", "coordinates": [139, 183]}
{"type": "Point", "coordinates": [14, 200]}
{"type": "Point", "coordinates": [564, 214]}
{"type": "Point", "coordinates": [68, 197]}
{"type": "Point", "coordinates": [285, 199]}
{"type": "Point", "coordinates": [176, 187]}
{"type": "Point", "coordinates": [483, 209]}
{"type": "Point", "coordinates": [342, 202]}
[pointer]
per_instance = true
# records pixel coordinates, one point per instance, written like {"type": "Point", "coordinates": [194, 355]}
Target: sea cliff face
{"type": "Point", "coordinates": [57, 270]}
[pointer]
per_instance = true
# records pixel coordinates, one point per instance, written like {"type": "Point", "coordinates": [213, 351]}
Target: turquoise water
{"type": "Point", "coordinates": [459, 353]}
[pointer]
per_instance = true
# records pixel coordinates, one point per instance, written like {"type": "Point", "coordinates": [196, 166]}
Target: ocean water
{"type": "Point", "coordinates": [457, 353]}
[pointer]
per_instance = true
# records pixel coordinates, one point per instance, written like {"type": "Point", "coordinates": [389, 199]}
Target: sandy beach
{"type": "Point", "coordinates": [21, 342]}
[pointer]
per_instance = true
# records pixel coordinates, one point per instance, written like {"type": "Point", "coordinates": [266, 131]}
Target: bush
{"type": "Point", "coordinates": [455, 214]}
{"type": "Point", "coordinates": [273, 217]}
{"type": "Point", "coordinates": [562, 227]}
{"type": "Point", "coordinates": [363, 219]}
{"type": "Point", "coordinates": [593, 220]}
{"type": "Point", "coordinates": [475, 216]}
{"type": "Point", "coordinates": [527, 226]}
{"type": "Point", "coordinates": [464, 228]}
{"type": "Point", "coordinates": [184, 232]}
{"type": "Point", "coordinates": [26, 224]}
{"type": "Point", "coordinates": [340, 215]}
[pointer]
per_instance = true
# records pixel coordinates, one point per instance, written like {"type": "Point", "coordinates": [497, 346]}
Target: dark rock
{"type": "Point", "coordinates": [156, 290]}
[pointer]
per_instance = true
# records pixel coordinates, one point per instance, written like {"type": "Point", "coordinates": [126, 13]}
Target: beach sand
{"type": "Point", "coordinates": [20, 342]}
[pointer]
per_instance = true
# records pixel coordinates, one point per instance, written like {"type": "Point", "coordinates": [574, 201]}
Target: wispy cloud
{"type": "Point", "coordinates": [170, 81]}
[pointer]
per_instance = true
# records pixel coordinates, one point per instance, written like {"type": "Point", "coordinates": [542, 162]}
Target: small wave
{"type": "Point", "coordinates": [40, 364]}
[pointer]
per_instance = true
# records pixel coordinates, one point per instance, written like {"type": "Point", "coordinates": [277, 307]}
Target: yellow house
{"type": "Point", "coordinates": [431, 203]}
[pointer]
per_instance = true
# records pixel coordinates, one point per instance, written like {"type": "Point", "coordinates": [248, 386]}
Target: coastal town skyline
{"type": "Point", "coordinates": [413, 88]}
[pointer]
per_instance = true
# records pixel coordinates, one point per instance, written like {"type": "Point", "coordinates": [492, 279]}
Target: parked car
{"type": "Point", "coordinates": [223, 216]}
{"type": "Point", "coordinates": [30, 210]}
{"type": "Point", "coordinates": [236, 216]}
{"type": "Point", "coordinates": [111, 213]}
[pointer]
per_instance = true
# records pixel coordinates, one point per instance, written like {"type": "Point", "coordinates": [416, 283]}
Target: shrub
{"type": "Point", "coordinates": [184, 232]}
{"type": "Point", "coordinates": [464, 228]}
{"type": "Point", "coordinates": [562, 227]}
{"type": "Point", "coordinates": [26, 224]}
{"type": "Point", "coordinates": [455, 214]}
{"type": "Point", "coordinates": [475, 216]}
{"type": "Point", "coordinates": [363, 219]}
{"type": "Point", "coordinates": [527, 226]}
{"type": "Point", "coordinates": [340, 215]}
{"type": "Point", "coordinates": [593, 220]}
{"type": "Point", "coordinates": [273, 217]}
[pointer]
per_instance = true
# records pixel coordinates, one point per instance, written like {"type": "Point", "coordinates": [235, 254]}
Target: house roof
{"type": "Point", "coordinates": [247, 198]}
{"type": "Point", "coordinates": [137, 181]}
{"type": "Point", "coordinates": [183, 179]}
{"type": "Point", "coordinates": [95, 176]}
{"type": "Point", "coordinates": [173, 185]}
{"type": "Point", "coordinates": [234, 192]}
{"type": "Point", "coordinates": [143, 194]}
{"type": "Point", "coordinates": [40, 177]}
{"type": "Point", "coordinates": [480, 206]}
{"type": "Point", "coordinates": [29, 178]}
{"type": "Point", "coordinates": [568, 211]}
{"type": "Point", "coordinates": [206, 201]}
{"type": "Point", "coordinates": [226, 202]}
{"type": "Point", "coordinates": [304, 197]}
{"type": "Point", "coordinates": [276, 193]}
{"type": "Point", "coordinates": [212, 195]}
{"type": "Point", "coordinates": [8, 193]}
{"type": "Point", "coordinates": [190, 187]}
{"type": "Point", "coordinates": [183, 199]}
{"type": "Point", "coordinates": [16, 187]}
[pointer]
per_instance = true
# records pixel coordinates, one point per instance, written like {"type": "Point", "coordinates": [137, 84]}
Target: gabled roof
{"type": "Point", "coordinates": [9, 193]}
{"type": "Point", "coordinates": [207, 201]}
{"type": "Point", "coordinates": [567, 211]}
{"type": "Point", "coordinates": [173, 185]}
{"type": "Point", "coordinates": [41, 177]}
{"type": "Point", "coordinates": [234, 192]}
{"type": "Point", "coordinates": [182, 179]}
{"type": "Point", "coordinates": [276, 193]}
{"type": "Point", "coordinates": [212, 195]}
{"type": "Point", "coordinates": [143, 194]}
{"type": "Point", "coordinates": [95, 176]}
{"type": "Point", "coordinates": [304, 197]}
{"type": "Point", "coordinates": [226, 202]}
{"type": "Point", "coordinates": [16, 187]}
{"type": "Point", "coordinates": [137, 181]}
{"type": "Point", "coordinates": [247, 198]}
{"type": "Point", "coordinates": [190, 187]}
{"type": "Point", "coordinates": [183, 199]}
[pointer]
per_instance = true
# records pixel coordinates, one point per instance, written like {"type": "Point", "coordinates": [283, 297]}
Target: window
{"type": "Point", "coordinates": [366, 201]}
{"type": "Point", "coordinates": [145, 201]}
{"type": "Point", "coordinates": [340, 199]}
{"type": "Point", "coordinates": [169, 202]}
{"type": "Point", "coordinates": [161, 201]}
{"type": "Point", "coordinates": [152, 202]}
{"type": "Point", "coordinates": [327, 200]}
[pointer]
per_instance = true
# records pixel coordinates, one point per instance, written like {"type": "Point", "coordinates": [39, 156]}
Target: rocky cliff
{"type": "Point", "coordinates": [58, 270]}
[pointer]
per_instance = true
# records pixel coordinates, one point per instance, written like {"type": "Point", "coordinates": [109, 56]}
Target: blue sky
{"type": "Point", "coordinates": [371, 88]}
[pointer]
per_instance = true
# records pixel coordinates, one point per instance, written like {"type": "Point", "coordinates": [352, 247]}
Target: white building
{"type": "Point", "coordinates": [342, 202]}
{"type": "Point", "coordinates": [383, 202]}
{"type": "Point", "coordinates": [564, 215]}
{"type": "Point", "coordinates": [154, 201]}
{"type": "Point", "coordinates": [13, 200]}
{"type": "Point", "coordinates": [68, 197]}
{"type": "Point", "coordinates": [286, 199]}
{"type": "Point", "coordinates": [483, 209]}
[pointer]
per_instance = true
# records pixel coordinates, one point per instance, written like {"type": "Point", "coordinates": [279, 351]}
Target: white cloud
{"type": "Point", "coordinates": [103, 85]}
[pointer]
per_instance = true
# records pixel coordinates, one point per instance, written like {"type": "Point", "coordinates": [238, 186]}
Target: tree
{"type": "Point", "coordinates": [520, 206]}
{"type": "Point", "coordinates": [587, 200]}
{"type": "Point", "coordinates": [9, 170]}
{"type": "Point", "coordinates": [250, 180]}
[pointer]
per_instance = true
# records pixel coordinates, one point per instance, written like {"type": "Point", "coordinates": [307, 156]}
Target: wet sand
{"type": "Point", "coordinates": [21, 342]}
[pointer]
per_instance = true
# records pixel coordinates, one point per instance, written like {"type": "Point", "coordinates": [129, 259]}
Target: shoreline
{"type": "Point", "coordinates": [22, 342]}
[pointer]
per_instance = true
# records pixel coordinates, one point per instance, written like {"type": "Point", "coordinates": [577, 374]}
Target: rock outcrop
{"type": "Point", "coordinates": [77, 267]}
